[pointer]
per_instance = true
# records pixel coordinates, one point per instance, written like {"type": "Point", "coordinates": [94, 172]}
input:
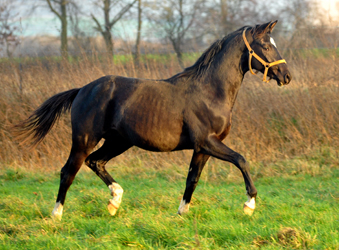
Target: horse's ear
{"type": "Point", "coordinates": [272, 25]}
{"type": "Point", "coordinates": [264, 28]}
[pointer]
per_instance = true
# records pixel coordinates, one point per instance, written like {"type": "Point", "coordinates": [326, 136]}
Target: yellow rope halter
{"type": "Point", "coordinates": [266, 64]}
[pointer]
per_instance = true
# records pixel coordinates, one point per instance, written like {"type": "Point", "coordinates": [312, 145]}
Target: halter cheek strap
{"type": "Point", "coordinates": [265, 64]}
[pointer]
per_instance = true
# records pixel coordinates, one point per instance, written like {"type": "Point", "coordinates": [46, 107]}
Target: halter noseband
{"type": "Point", "coordinates": [252, 53]}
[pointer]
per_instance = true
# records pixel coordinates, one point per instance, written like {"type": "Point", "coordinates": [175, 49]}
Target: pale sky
{"type": "Point", "coordinates": [43, 22]}
{"type": "Point", "coordinates": [331, 11]}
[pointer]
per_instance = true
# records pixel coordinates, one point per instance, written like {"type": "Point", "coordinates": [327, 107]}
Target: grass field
{"type": "Point", "coordinates": [295, 210]}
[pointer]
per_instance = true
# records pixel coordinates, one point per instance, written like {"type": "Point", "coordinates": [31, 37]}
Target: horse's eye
{"type": "Point", "coordinates": [266, 48]}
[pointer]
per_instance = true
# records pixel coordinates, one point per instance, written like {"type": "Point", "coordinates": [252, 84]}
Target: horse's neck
{"type": "Point", "coordinates": [227, 77]}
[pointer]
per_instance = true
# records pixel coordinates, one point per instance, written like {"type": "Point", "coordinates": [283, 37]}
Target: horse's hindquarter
{"type": "Point", "coordinates": [152, 117]}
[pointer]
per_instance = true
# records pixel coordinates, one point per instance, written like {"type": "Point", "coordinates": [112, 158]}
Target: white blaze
{"type": "Point", "coordinates": [273, 42]}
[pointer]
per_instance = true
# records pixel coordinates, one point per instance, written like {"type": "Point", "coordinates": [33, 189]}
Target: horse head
{"type": "Point", "coordinates": [264, 55]}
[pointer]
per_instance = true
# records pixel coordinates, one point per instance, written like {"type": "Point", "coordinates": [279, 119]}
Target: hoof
{"type": "Point", "coordinates": [57, 211]}
{"type": "Point", "coordinates": [181, 213]}
{"type": "Point", "coordinates": [56, 217]}
{"type": "Point", "coordinates": [183, 208]}
{"type": "Point", "coordinates": [112, 209]}
{"type": "Point", "coordinates": [247, 210]}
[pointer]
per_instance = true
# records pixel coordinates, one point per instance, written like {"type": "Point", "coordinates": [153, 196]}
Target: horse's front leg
{"type": "Point", "coordinates": [214, 147]}
{"type": "Point", "coordinates": [197, 164]}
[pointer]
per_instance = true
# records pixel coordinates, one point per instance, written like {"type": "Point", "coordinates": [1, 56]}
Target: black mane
{"type": "Point", "coordinates": [201, 66]}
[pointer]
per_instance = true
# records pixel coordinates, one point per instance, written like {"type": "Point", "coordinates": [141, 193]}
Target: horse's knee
{"type": "Point", "coordinates": [242, 163]}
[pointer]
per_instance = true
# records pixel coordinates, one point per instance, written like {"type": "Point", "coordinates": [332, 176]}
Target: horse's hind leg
{"type": "Point", "coordinates": [196, 166]}
{"type": "Point", "coordinates": [97, 160]}
{"type": "Point", "coordinates": [68, 172]}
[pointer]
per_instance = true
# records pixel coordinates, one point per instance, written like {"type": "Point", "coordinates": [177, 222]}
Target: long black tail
{"type": "Point", "coordinates": [33, 130]}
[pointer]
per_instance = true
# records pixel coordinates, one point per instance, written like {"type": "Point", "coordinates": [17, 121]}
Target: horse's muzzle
{"type": "Point", "coordinates": [287, 78]}
{"type": "Point", "coordinates": [284, 79]}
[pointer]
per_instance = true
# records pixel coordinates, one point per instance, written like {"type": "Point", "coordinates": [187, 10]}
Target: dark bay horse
{"type": "Point", "coordinates": [190, 110]}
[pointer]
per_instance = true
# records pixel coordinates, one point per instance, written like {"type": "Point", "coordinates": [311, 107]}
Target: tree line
{"type": "Point", "coordinates": [179, 22]}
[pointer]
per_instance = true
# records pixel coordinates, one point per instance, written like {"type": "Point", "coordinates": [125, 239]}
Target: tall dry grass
{"type": "Point", "coordinates": [269, 123]}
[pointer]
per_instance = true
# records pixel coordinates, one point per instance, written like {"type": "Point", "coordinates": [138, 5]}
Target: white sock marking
{"type": "Point", "coordinates": [250, 202]}
{"type": "Point", "coordinates": [273, 42]}
{"type": "Point", "coordinates": [116, 192]}
{"type": "Point", "coordinates": [57, 211]}
{"type": "Point", "coordinates": [183, 207]}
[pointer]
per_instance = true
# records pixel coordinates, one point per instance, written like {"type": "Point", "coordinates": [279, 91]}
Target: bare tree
{"type": "Point", "coordinates": [309, 30]}
{"type": "Point", "coordinates": [298, 12]}
{"type": "Point", "coordinates": [62, 16]}
{"type": "Point", "coordinates": [176, 18]}
{"type": "Point", "coordinates": [224, 16]}
{"type": "Point", "coordinates": [8, 39]}
{"type": "Point", "coordinates": [106, 28]}
{"type": "Point", "coordinates": [80, 29]}
{"type": "Point", "coordinates": [138, 39]}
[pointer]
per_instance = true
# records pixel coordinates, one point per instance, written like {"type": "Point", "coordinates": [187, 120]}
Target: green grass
{"type": "Point", "coordinates": [293, 211]}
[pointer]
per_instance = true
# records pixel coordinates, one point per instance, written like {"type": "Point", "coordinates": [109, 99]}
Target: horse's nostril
{"type": "Point", "coordinates": [288, 78]}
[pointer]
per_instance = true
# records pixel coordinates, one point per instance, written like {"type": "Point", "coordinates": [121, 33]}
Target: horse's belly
{"type": "Point", "coordinates": [156, 131]}
{"type": "Point", "coordinates": [161, 144]}
{"type": "Point", "coordinates": [156, 138]}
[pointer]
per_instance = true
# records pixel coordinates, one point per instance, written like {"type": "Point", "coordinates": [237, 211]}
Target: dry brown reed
{"type": "Point", "coordinates": [269, 123]}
